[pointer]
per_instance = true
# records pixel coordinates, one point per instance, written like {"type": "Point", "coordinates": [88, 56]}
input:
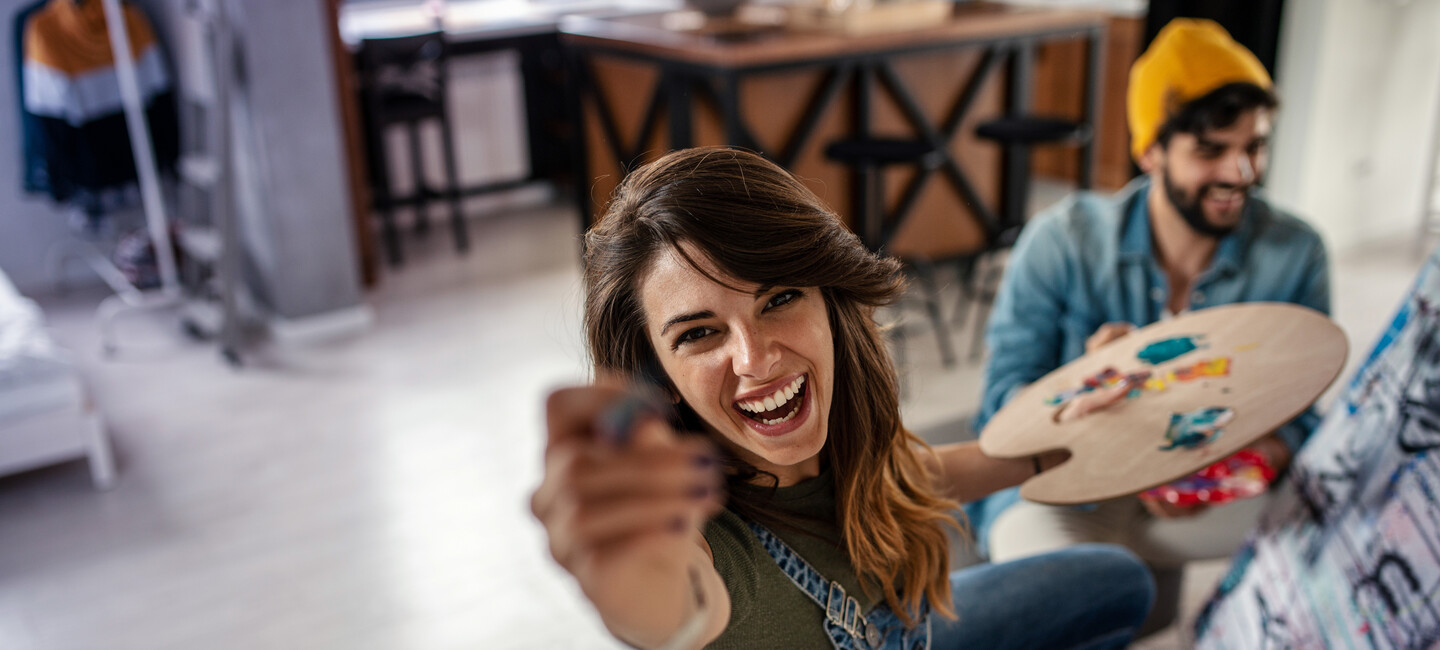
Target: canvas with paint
{"type": "Point", "coordinates": [1348, 554]}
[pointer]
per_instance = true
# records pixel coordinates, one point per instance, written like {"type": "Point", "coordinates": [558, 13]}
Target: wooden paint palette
{"type": "Point", "coordinates": [1279, 358]}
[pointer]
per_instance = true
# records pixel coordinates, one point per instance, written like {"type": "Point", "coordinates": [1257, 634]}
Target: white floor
{"type": "Point", "coordinates": [372, 493]}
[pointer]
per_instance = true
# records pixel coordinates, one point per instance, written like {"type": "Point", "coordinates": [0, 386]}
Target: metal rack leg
{"type": "Point", "coordinates": [100, 456]}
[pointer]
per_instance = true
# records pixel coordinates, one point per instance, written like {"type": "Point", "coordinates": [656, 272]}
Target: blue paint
{"type": "Point", "coordinates": [1402, 318]}
{"type": "Point", "coordinates": [1161, 351]}
{"type": "Point", "coordinates": [1196, 428]}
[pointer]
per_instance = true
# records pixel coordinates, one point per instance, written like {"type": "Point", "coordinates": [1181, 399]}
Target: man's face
{"type": "Point", "coordinates": [1208, 177]}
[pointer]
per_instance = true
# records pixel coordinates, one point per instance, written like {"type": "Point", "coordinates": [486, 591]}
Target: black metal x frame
{"type": "Point", "coordinates": [679, 81]}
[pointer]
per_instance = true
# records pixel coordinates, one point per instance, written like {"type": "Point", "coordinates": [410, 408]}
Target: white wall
{"type": "Point", "coordinates": [1359, 82]}
{"type": "Point", "coordinates": [29, 224]}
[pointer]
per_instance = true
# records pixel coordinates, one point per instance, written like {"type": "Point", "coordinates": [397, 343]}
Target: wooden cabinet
{"type": "Point", "coordinates": [1059, 84]}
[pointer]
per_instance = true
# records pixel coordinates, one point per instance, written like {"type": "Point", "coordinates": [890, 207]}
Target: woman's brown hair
{"type": "Point", "coordinates": [760, 225]}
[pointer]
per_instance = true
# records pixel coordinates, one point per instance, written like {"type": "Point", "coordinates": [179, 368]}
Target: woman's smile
{"type": "Point", "coordinates": [776, 413]}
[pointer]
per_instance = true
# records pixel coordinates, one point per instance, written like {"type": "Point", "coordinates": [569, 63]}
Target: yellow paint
{"type": "Point", "coordinates": [1214, 367]}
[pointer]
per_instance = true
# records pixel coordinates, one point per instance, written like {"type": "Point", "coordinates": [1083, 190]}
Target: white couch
{"type": "Point", "coordinates": [46, 416]}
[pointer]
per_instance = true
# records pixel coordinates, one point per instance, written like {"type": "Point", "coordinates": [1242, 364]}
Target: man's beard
{"type": "Point", "coordinates": [1193, 212]}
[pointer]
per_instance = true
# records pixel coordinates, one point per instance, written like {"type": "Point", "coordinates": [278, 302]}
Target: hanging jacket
{"type": "Point", "coordinates": [77, 144]}
{"type": "Point", "coordinates": [34, 178]}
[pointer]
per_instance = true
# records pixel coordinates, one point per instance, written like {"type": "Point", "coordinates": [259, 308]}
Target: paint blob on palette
{"type": "Point", "coordinates": [1186, 430]}
{"type": "Point", "coordinates": [1196, 428]}
{"type": "Point", "coordinates": [1144, 380]}
{"type": "Point", "coordinates": [1164, 350]}
{"type": "Point", "coordinates": [1203, 369]}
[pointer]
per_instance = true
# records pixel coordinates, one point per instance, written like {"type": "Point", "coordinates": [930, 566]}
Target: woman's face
{"type": "Point", "coordinates": [756, 366]}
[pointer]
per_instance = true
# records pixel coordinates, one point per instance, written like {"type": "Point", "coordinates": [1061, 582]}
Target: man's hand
{"type": "Point", "coordinates": [1083, 405]}
{"type": "Point", "coordinates": [1271, 447]}
{"type": "Point", "coordinates": [1107, 333]}
{"type": "Point", "coordinates": [1275, 451]}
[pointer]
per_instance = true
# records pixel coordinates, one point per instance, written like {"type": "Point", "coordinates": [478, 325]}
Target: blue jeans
{"type": "Point", "coordinates": [1090, 596]}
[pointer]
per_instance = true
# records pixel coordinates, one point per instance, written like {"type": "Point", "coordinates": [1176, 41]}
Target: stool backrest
{"type": "Point", "coordinates": [411, 65]}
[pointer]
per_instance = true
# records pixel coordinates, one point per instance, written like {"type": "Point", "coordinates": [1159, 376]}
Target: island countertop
{"type": "Point", "coordinates": [766, 44]}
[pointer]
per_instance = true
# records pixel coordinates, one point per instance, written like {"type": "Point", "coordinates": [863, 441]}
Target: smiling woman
{"type": "Point", "coordinates": [741, 359]}
{"type": "Point", "coordinates": [722, 282]}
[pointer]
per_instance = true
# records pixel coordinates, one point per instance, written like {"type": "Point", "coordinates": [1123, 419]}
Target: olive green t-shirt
{"type": "Point", "coordinates": [767, 610]}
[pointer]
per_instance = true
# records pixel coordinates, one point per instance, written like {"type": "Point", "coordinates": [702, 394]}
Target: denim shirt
{"type": "Point", "coordinates": [1089, 260]}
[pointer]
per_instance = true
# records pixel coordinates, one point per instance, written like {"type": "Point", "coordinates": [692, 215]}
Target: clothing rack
{"type": "Point", "coordinates": [231, 262]}
{"type": "Point", "coordinates": [142, 147]}
{"type": "Point", "coordinates": [128, 297]}
{"type": "Point", "coordinates": [210, 172]}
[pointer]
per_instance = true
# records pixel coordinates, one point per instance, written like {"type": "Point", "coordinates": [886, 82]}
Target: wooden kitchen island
{"type": "Point", "coordinates": [651, 83]}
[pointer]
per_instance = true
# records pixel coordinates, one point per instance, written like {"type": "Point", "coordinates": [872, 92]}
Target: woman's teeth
{"type": "Point", "coordinates": [774, 402]}
{"type": "Point", "coordinates": [787, 417]}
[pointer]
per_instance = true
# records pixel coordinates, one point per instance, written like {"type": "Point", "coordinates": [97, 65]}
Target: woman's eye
{"type": "Point", "coordinates": [693, 334]}
{"type": "Point", "coordinates": [783, 297]}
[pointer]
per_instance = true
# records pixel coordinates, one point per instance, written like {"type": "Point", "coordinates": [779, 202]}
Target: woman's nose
{"type": "Point", "coordinates": [754, 353]}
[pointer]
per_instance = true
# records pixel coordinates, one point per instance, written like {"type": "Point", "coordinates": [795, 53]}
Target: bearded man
{"type": "Point", "coordinates": [1191, 232]}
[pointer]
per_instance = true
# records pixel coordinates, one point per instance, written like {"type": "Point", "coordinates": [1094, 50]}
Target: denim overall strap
{"type": "Point", "coordinates": [848, 627]}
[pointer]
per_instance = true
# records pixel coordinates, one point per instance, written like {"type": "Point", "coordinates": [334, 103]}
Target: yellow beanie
{"type": "Point", "coordinates": [1189, 58]}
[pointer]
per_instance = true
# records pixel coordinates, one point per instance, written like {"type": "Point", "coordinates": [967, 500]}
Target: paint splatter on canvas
{"type": "Point", "coordinates": [1348, 554]}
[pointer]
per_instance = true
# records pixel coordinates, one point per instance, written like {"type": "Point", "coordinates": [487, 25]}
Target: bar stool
{"type": "Point", "coordinates": [403, 81]}
{"type": "Point", "coordinates": [869, 157]}
{"type": "Point", "coordinates": [1016, 135]}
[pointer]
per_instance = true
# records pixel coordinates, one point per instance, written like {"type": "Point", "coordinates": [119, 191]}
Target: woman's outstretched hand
{"type": "Point", "coordinates": [624, 516]}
